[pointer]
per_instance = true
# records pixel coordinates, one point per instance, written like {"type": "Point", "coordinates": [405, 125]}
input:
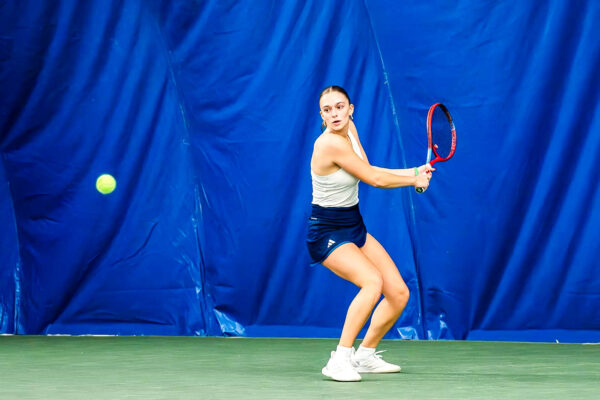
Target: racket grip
{"type": "Point", "coordinates": [418, 189]}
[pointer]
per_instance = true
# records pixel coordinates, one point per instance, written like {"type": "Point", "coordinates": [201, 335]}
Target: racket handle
{"type": "Point", "coordinates": [418, 189]}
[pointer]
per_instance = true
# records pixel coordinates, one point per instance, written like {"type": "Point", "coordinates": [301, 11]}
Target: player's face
{"type": "Point", "coordinates": [335, 110]}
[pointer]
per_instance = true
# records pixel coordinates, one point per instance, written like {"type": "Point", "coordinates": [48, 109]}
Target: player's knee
{"type": "Point", "coordinates": [374, 285]}
{"type": "Point", "coordinates": [398, 297]}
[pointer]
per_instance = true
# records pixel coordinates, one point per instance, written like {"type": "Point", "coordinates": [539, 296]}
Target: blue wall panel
{"type": "Point", "coordinates": [9, 259]}
{"type": "Point", "coordinates": [206, 112]}
{"type": "Point", "coordinates": [511, 217]}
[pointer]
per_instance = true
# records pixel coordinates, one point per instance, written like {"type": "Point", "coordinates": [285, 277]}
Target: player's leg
{"type": "Point", "coordinates": [351, 264]}
{"type": "Point", "coordinates": [348, 262]}
{"type": "Point", "coordinates": [396, 296]}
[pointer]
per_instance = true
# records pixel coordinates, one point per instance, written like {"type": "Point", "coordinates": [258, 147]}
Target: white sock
{"type": "Point", "coordinates": [364, 352]}
{"type": "Point", "coordinates": [343, 352]}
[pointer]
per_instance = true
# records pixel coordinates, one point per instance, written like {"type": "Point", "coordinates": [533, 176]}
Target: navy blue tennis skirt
{"type": "Point", "coordinates": [330, 227]}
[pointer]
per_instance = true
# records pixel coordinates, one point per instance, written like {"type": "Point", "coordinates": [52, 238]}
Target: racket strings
{"type": "Point", "coordinates": [441, 133]}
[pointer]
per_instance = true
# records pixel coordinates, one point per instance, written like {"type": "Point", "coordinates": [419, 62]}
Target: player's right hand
{"type": "Point", "coordinates": [422, 180]}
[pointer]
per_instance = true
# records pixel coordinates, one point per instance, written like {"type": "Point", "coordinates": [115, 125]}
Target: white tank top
{"type": "Point", "coordinates": [338, 189]}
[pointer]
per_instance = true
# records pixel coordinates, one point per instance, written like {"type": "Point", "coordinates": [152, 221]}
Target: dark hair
{"type": "Point", "coordinates": [330, 89]}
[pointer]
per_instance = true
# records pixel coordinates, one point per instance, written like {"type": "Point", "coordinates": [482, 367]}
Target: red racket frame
{"type": "Point", "coordinates": [432, 146]}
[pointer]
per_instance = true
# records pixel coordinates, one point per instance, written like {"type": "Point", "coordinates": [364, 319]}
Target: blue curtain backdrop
{"type": "Point", "coordinates": [206, 111]}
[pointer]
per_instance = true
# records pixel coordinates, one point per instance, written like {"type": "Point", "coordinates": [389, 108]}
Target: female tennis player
{"type": "Point", "coordinates": [337, 237]}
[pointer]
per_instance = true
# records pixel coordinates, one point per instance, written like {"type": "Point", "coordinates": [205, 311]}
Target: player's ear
{"type": "Point", "coordinates": [351, 111]}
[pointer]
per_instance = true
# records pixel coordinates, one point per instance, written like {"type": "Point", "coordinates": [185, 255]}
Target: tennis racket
{"type": "Point", "coordinates": [441, 135]}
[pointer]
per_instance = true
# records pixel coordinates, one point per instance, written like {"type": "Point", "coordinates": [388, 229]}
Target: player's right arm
{"type": "Point", "coordinates": [340, 152]}
{"type": "Point", "coordinates": [423, 169]}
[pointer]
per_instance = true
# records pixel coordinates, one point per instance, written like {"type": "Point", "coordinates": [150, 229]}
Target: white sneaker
{"type": "Point", "coordinates": [340, 369]}
{"type": "Point", "coordinates": [374, 364]}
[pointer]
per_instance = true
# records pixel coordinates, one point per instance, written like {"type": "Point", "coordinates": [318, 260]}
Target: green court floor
{"type": "Point", "coordinates": [64, 367]}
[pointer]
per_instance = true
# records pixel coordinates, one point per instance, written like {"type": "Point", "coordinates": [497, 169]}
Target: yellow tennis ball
{"type": "Point", "coordinates": [106, 184]}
